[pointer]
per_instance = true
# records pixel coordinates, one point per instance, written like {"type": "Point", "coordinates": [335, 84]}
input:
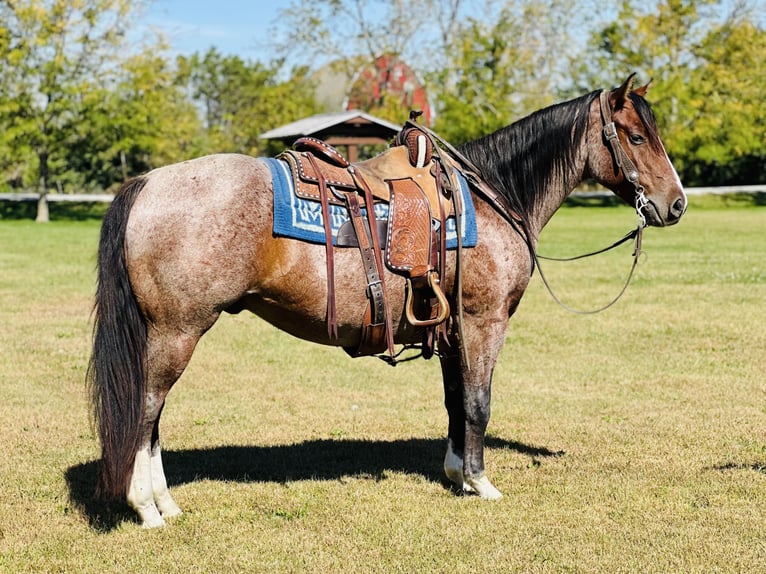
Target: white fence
{"type": "Point", "coordinates": [54, 197]}
{"type": "Point", "coordinates": [725, 190]}
{"type": "Point", "coordinates": [107, 198]}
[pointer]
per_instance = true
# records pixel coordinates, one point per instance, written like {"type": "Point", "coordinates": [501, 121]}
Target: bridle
{"type": "Point", "coordinates": [630, 173]}
{"type": "Point", "coordinates": [629, 169]}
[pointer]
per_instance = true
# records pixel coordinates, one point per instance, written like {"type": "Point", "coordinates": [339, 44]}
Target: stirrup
{"type": "Point", "coordinates": [409, 311]}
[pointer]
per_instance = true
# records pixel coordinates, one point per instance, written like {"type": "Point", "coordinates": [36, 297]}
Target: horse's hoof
{"type": "Point", "coordinates": [168, 507]}
{"type": "Point", "coordinates": [453, 466]}
{"type": "Point", "coordinates": [150, 517]}
{"type": "Point", "coordinates": [154, 522]}
{"type": "Point", "coordinates": [484, 488]}
{"type": "Point", "coordinates": [171, 512]}
{"type": "Point", "coordinates": [454, 476]}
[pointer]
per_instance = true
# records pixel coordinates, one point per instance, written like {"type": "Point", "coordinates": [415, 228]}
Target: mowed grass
{"type": "Point", "coordinates": [628, 441]}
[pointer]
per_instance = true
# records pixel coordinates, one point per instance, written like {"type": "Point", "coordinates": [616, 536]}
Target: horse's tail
{"type": "Point", "coordinates": [116, 373]}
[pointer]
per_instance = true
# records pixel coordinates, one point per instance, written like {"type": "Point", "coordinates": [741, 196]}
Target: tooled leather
{"type": "Point", "coordinates": [408, 244]}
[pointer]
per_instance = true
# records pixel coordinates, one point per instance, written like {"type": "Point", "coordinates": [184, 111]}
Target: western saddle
{"type": "Point", "coordinates": [417, 182]}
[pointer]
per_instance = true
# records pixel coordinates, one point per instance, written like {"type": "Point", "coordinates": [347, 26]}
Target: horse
{"type": "Point", "coordinates": [186, 242]}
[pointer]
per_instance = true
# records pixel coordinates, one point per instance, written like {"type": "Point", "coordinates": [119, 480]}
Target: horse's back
{"type": "Point", "coordinates": [220, 183]}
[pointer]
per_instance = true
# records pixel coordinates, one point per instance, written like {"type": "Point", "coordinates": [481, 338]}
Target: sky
{"type": "Point", "coordinates": [234, 27]}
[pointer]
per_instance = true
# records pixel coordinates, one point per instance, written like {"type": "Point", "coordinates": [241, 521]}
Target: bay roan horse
{"type": "Point", "coordinates": [185, 242]}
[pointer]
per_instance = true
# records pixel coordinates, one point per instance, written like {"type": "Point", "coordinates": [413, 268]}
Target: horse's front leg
{"type": "Point", "coordinates": [467, 396]}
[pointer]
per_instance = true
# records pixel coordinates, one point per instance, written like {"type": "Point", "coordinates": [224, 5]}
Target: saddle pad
{"type": "Point", "coordinates": [302, 219]}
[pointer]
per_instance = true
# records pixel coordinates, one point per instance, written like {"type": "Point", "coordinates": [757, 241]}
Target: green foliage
{"type": "Point", "coordinates": [500, 68]}
{"type": "Point", "coordinates": [141, 122]}
{"type": "Point", "coordinates": [480, 99]}
{"type": "Point", "coordinates": [726, 141]}
{"type": "Point", "coordinates": [79, 112]}
{"type": "Point", "coordinates": [348, 37]}
{"type": "Point", "coordinates": [55, 55]}
{"type": "Point", "coordinates": [240, 100]}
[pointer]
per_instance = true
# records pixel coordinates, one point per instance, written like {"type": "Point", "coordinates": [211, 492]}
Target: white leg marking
{"type": "Point", "coordinates": [165, 503]}
{"type": "Point", "coordinates": [140, 496]}
{"type": "Point", "coordinates": [484, 488]}
{"type": "Point", "coordinates": [453, 467]}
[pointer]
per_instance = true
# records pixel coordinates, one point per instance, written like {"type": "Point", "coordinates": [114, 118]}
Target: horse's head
{"type": "Point", "coordinates": [627, 156]}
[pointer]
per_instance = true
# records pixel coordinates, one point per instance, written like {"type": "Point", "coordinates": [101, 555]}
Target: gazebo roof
{"type": "Point", "coordinates": [348, 123]}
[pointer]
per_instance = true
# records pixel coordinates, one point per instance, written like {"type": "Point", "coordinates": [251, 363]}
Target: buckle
{"type": "Point", "coordinates": [641, 203]}
{"type": "Point", "coordinates": [610, 131]}
{"type": "Point", "coordinates": [375, 289]}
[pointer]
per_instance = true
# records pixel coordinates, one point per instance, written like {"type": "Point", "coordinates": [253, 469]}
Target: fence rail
{"type": "Point", "coordinates": [107, 197]}
{"type": "Point", "coordinates": [65, 197]}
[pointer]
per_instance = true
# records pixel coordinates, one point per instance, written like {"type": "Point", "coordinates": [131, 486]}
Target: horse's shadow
{"type": "Point", "coordinates": [310, 460]}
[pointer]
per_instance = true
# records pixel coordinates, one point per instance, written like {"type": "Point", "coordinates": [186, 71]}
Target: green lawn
{"type": "Point", "coordinates": [629, 441]}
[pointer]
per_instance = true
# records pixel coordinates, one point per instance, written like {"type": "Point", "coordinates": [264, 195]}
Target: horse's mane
{"type": "Point", "coordinates": [522, 160]}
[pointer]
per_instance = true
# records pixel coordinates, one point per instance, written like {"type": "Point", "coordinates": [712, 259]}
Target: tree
{"type": "Point", "coordinates": [240, 100]}
{"type": "Point", "coordinates": [501, 68]}
{"type": "Point", "coordinates": [350, 33]}
{"type": "Point", "coordinates": [724, 142]}
{"type": "Point", "coordinates": [484, 62]}
{"type": "Point", "coordinates": [352, 36]}
{"type": "Point", "coordinates": [143, 121]}
{"type": "Point", "coordinates": [53, 53]}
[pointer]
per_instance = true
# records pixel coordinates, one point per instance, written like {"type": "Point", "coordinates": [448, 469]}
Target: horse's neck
{"type": "Point", "coordinates": [560, 187]}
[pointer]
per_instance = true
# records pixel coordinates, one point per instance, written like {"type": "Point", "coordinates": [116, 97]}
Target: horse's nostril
{"type": "Point", "coordinates": [678, 208]}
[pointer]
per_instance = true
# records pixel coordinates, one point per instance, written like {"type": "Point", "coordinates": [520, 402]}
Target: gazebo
{"type": "Point", "coordinates": [349, 129]}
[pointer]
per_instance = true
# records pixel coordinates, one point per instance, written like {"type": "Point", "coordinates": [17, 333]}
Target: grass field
{"type": "Point", "coordinates": [629, 441]}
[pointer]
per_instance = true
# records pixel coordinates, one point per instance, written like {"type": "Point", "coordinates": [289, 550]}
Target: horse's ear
{"type": "Point", "coordinates": [641, 91]}
{"type": "Point", "coordinates": [621, 94]}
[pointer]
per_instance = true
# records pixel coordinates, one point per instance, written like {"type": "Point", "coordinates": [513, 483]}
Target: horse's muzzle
{"type": "Point", "coordinates": [675, 211]}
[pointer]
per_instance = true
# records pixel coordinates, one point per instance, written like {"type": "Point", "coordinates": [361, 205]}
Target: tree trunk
{"type": "Point", "coordinates": [43, 215]}
{"type": "Point", "coordinates": [124, 165]}
{"type": "Point", "coordinates": [42, 209]}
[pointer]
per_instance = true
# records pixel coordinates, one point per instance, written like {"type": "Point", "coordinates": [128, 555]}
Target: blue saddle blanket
{"type": "Point", "coordinates": [302, 219]}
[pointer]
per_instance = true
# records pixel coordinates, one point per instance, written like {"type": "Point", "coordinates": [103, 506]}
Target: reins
{"type": "Point", "coordinates": [636, 234]}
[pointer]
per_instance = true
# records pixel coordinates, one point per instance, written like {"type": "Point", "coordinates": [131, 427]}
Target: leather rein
{"type": "Point", "coordinates": [500, 203]}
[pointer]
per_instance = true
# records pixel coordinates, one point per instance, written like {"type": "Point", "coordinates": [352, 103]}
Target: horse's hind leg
{"type": "Point", "coordinates": [165, 503]}
{"type": "Point", "coordinates": [148, 494]}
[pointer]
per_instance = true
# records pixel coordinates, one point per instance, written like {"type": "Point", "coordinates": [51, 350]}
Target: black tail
{"type": "Point", "coordinates": [116, 373]}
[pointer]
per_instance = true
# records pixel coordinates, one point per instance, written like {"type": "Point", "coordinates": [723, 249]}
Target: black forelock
{"type": "Point", "coordinates": [647, 118]}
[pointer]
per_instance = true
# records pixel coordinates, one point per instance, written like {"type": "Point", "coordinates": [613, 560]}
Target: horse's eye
{"type": "Point", "coordinates": [637, 139]}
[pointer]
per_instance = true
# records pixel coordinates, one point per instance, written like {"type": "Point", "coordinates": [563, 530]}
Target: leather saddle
{"type": "Point", "coordinates": [328, 163]}
{"type": "Point", "coordinates": [418, 184]}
